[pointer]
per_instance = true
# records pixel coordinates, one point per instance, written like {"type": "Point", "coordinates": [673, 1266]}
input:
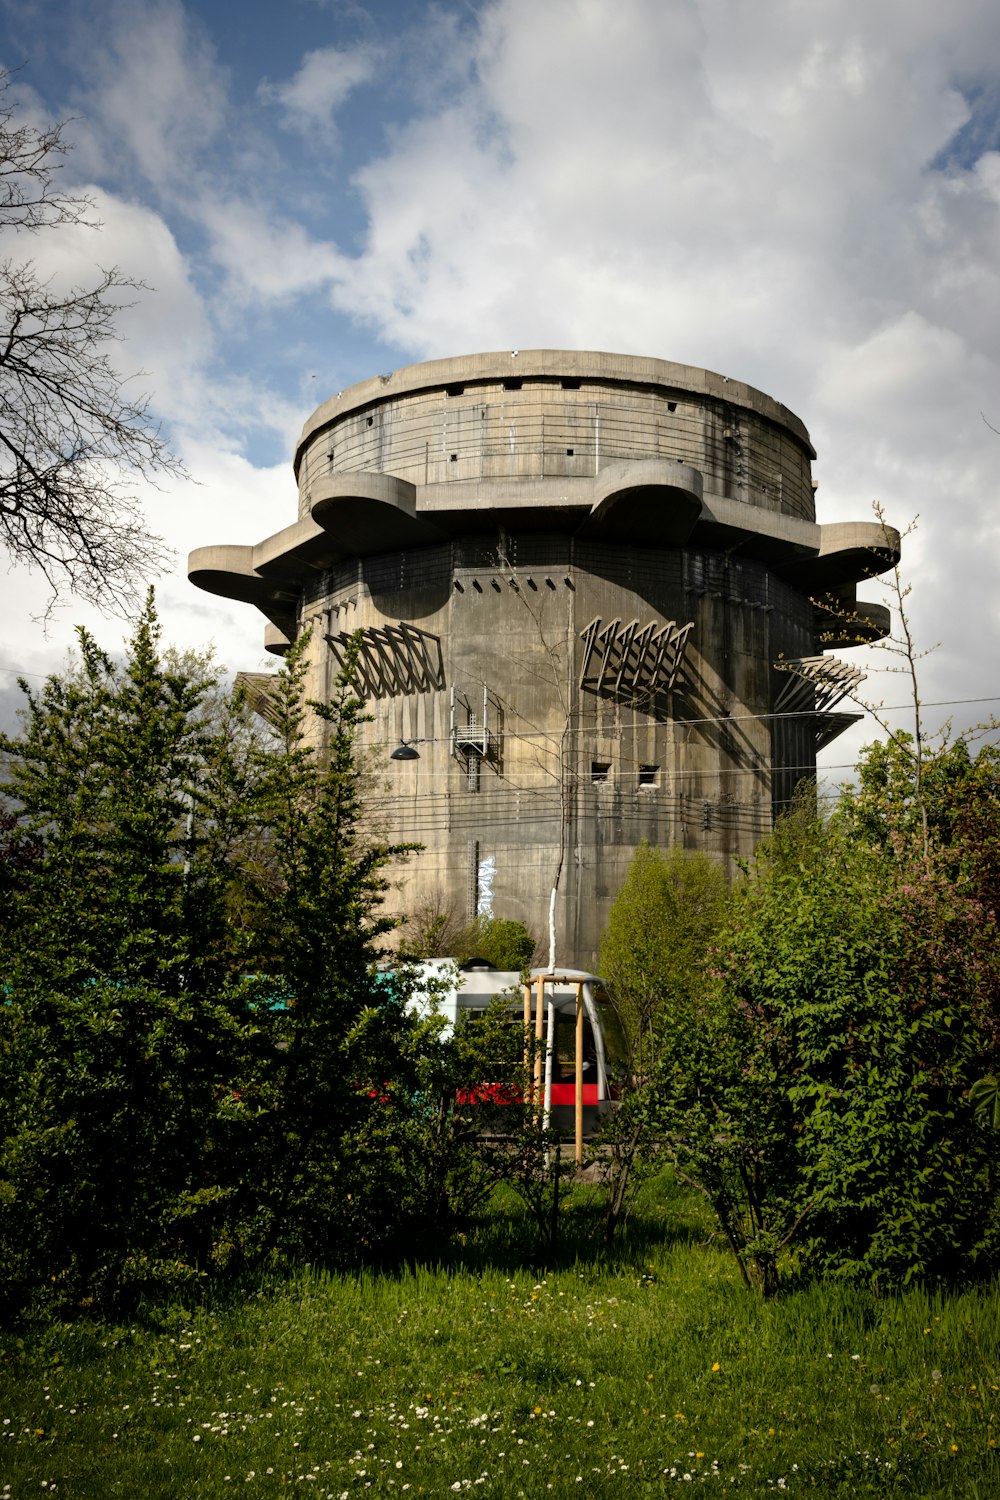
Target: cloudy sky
{"type": "Point", "coordinates": [802, 196]}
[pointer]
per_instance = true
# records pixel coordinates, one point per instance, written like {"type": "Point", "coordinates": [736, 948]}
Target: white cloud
{"type": "Point", "coordinates": [266, 258]}
{"type": "Point", "coordinates": [159, 105]}
{"type": "Point", "coordinates": [226, 499]}
{"type": "Point", "coordinates": [771, 191]}
{"type": "Point", "coordinates": [156, 92]}
{"type": "Point", "coordinates": [310, 100]}
{"type": "Point", "coordinates": [167, 344]}
{"type": "Point", "coordinates": [751, 189]}
{"type": "Point", "coordinates": [701, 177]}
{"type": "Point", "coordinates": [164, 330]}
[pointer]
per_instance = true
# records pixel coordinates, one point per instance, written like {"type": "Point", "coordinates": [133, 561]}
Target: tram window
{"type": "Point", "coordinates": [564, 1062]}
{"type": "Point", "coordinates": [616, 1049]}
{"type": "Point", "coordinates": [495, 1007]}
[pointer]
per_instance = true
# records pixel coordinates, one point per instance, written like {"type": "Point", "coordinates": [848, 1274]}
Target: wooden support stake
{"type": "Point", "coordinates": [527, 1025]}
{"type": "Point", "coordinates": [539, 1033]}
{"type": "Point", "coordinates": [579, 1076]}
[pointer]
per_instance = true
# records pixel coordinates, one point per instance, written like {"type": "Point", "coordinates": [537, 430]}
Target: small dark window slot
{"type": "Point", "coordinates": [648, 775]}
{"type": "Point", "coordinates": [513, 385]}
{"type": "Point", "coordinates": [570, 385]}
{"type": "Point", "coordinates": [371, 421]}
{"type": "Point", "coordinates": [600, 771]}
{"type": "Point", "coordinates": [671, 406]}
{"type": "Point", "coordinates": [454, 390]}
{"type": "Point", "coordinates": [569, 453]}
{"type": "Point", "coordinates": [454, 458]}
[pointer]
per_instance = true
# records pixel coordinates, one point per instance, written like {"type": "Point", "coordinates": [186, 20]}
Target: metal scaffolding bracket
{"type": "Point", "coordinates": [814, 687]}
{"type": "Point", "coordinates": [631, 663]}
{"type": "Point", "coordinates": [392, 659]}
{"type": "Point", "coordinates": [476, 730]}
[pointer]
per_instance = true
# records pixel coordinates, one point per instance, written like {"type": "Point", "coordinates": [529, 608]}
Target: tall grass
{"type": "Point", "coordinates": [636, 1374]}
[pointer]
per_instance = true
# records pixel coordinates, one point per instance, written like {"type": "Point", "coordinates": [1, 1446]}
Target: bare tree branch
{"type": "Point", "coordinates": [73, 443]}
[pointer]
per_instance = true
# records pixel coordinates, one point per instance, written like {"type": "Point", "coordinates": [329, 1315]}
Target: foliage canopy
{"type": "Point", "coordinates": [202, 1066]}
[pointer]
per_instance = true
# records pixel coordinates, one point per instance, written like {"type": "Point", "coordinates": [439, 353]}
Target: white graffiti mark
{"type": "Point", "coordinates": [484, 899]}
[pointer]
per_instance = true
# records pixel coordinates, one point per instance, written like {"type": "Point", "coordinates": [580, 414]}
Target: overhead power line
{"type": "Point", "coordinates": [887, 708]}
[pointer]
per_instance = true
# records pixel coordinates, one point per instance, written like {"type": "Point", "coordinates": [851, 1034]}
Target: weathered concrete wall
{"type": "Point", "coordinates": [614, 559]}
{"type": "Point", "coordinates": [543, 431]}
{"type": "Point", "coordinates": [570, 762]}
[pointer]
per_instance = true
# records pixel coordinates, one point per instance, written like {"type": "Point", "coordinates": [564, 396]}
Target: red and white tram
{"type": "Point", "coordinates": [582, 1054]}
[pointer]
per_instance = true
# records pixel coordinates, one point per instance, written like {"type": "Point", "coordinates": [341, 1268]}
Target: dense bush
{"type": "Point", "coordinates": [501, 941]}
{"type": "Point", "coordinates": [869, 984]}
{"type": "Point", "coordinates": [201, 1065]}
{"type": "Point", "coordinates": [816, 1085]}
{"type": "Point", "coordinates": [660, 927]}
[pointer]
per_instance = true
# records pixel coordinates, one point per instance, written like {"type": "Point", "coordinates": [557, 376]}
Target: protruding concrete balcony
{"type": "Point", "coordinates": [606, 448]}
{"type": "Point", "coordinates": [849, 551]}
{"type": "Point", "coordinates": [368, 513]}
{"type": "Point", "coordinates": [657, 499]}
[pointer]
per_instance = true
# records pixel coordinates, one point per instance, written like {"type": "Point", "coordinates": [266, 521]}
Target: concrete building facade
{"type": "Point", "coordinates": [591, 594]}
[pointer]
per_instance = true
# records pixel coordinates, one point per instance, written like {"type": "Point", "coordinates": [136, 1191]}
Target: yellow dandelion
{"type": "Point", "coordinates": [716, 1367]}
{"type": "Point", "coordinates": [954, 1447]}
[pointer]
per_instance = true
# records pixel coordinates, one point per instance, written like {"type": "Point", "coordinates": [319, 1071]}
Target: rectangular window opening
{"type": "Point", "coordinates": [570, 385]}
{"type": "Point", "coordinates": [600, 771]}
{"type": "Point", "coordinates": [454, 390]}
{"type": "Point", "coordinates": [649, 776]}
{"type": "Point", "coordinates": [513, 385]}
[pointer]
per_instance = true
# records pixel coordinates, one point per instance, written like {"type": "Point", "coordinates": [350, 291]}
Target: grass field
{"type": "Point", "coordinates": [637, 1374]}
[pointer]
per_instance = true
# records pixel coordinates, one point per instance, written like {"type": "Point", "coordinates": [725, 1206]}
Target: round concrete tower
{"type": "Point", "coordinates": [590, 593]}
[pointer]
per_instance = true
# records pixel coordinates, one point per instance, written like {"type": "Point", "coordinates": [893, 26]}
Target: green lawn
{"type": "Point", "coordinates": [621, 1376]}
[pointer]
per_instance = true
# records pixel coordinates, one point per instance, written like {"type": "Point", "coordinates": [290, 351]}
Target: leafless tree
{"type": "Point", "coordinates": [73, 443]}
